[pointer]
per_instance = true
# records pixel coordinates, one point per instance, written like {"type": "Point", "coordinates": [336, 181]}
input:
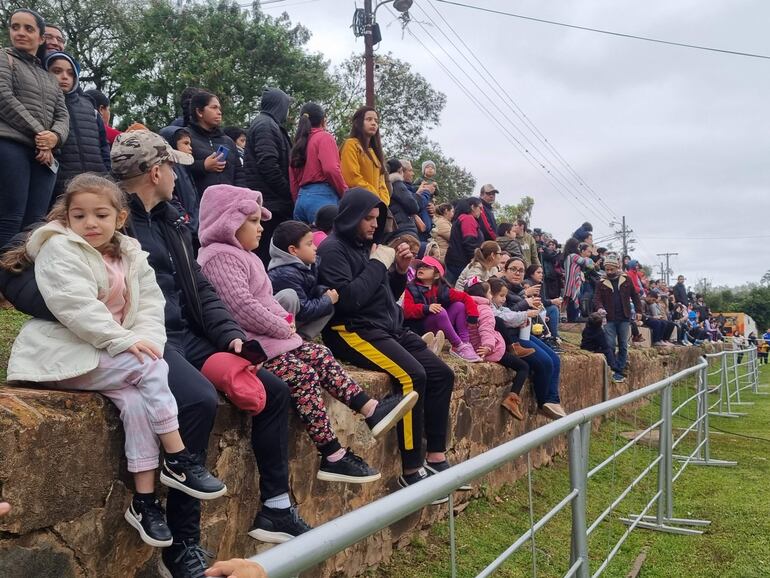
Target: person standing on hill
{"type": "Point", "coordinates": [266, 163]}
{"type": "Point", "coordinates": [211, 167]}
{"type": "Point", "coordinates": [487, 220]}
{"type": "Point", "coordinates": [361, 156]}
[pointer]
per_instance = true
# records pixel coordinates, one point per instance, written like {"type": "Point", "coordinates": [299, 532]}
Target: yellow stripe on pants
{"type": "Point", "coordinates": [379, 358]}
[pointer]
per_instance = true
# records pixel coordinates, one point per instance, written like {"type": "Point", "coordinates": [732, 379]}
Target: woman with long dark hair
{"type": "Point", "coordinates": [577, 258]}
{"type": "Point", "coordinates": [465, 237]}
{"type": "Point", "coordinates": [34, 122]}
{"type": "Point", "coordinates": [210, 167]}
{"type": "Point", "coordinates": [361, 156]}
{"type": "Point", "coordinates": [314, 165]}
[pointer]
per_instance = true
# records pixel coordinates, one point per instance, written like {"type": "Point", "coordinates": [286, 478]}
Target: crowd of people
{"type": "Point", "coordinates": [202, 258]}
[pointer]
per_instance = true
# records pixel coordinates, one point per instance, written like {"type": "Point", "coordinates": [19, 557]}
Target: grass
{"type": "Point", "coordinates": [10, 323]}
{"type": "Point", "coordinates": [736, 544]}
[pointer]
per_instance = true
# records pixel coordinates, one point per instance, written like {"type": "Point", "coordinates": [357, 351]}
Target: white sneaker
{"type": "Point", "coordinates": [438, 343]}
{"type": "Point", "coordinates": [429, 338]}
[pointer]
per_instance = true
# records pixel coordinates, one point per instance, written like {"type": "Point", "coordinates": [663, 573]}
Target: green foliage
{"type": "Point", "coordinates": [510, 213]}
{"type": "Point", "coordinates": [751, 299]}
{"type": "Point", "coordinates": [455, 182]}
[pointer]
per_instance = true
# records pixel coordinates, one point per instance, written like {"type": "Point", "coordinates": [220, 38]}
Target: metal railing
{"type": "Point", "coordinates": [314, 547]}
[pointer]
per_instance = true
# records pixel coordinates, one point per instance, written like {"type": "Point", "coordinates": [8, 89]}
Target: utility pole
{"type": "Point", "coordinates": [668, 268]}
{"type": "Point", "coordinates": [369, 52]}
{"type": "Point", "coordinates": [662, 273]}
{"type": "Point", "coordinates": [625, 234]}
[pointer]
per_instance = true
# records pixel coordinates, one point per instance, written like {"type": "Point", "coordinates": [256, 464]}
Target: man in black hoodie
{"type": "Point", "coordinates": [367, 328]}
{"type": "Point", "coordinates": [266, 163]}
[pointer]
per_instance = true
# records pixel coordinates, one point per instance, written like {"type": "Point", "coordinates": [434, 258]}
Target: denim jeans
{"type": "Point", "coordinates": [26, 187]}
{"type": "Point", "coordinates": [618, 332]}
{"type": "Point", "coordinates": [311, 198]}
{"type": "Point", "coordinates": [552, 312]}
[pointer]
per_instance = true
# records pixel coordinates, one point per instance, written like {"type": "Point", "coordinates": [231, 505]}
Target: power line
{"type": "Point", "coordinates": [516, 109]}
{"type": "Point", "coordinates": [608, 32]}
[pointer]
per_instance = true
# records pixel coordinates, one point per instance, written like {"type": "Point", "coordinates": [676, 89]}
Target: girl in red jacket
{"type": "Point", "coordinates": [491, 346]}
{"type": "Point", "coordinates": [430, 299]}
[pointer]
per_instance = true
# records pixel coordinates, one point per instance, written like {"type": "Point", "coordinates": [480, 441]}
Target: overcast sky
{"type": "Point", "coordinates": [675, 139]}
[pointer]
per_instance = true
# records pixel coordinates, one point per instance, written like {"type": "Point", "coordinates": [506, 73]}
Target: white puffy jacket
{"type": "Point", "coordinates": [72, 279]}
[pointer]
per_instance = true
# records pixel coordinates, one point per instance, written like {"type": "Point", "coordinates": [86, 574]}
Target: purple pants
{"type": "Point", "coordinates": [453, 321]}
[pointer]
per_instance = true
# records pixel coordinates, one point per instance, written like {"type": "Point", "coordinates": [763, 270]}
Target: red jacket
{"type": "Point", "coordinates": [322, 165]}
{"type": "Point", "coordinates": [418, 297]}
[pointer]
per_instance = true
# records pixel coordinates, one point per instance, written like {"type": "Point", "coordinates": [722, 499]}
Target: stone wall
{"type": "Point", "coordinates": [61, 467]}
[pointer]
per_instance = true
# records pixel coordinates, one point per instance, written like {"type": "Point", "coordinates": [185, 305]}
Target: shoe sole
{"type": "Point", "coordinates": [172, 483]}
{"type": "Point", "coordinates": [396, 414]}
{"type": "Point", "coordinates": [436, 502]}
{"type": "Point", "coordinates": [438, 343]}
{"type": "Point", "coordinates": [270, 537]}
{"type": "Point", "coordinates": [463, 488]}
{"type": "Point", "coordinates": [144, 535]}
{"type": "Point", "coordinates": [550, 413]}
{"type": "Point", "coordinates": [458, 356]}
{"type": "Point", "coordinates": [331, 477]}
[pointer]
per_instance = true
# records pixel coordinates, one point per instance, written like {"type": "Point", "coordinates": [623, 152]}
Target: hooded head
{"type": "Point", "coordinates": [66, 70]}
{"type": "Point", "coordinates": [275, 102]}
{"type": "Point", "coordinates": [224, 208]}
{"type": "Point", "coordinates": [354, 206]}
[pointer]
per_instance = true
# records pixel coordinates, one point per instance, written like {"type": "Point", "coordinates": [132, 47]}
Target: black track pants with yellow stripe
{"type": "Point", "coordinates": [413, 367]}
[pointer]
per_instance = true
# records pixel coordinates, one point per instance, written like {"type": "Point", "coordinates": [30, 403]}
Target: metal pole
{"type": "Point", "coordinates": [369, 52]}
{"type": "Point", "coordinates": [452, 541]}
{"type": "Point", "coordinates": [660, 513]}
{"type": "Point", "coordinates": [668, 451]}
{"type": "Point", "coordinates": [578, 470]}
{"type": "Point", "coordinates": [625, 241]}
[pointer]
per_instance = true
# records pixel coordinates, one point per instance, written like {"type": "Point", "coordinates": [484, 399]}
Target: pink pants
{"type": "Point", "coordinates": [140, 391]}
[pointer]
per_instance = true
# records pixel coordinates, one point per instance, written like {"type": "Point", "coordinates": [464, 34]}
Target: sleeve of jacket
{"type": "Point", "coordinates": [329, 159]}
{"type": "Point", "coordinates": [470, 237]}
{"type": "Point", "coordinates": [22, 291]}
{"type": "Point", "coordinates": [312, 305]}
{"type": "Point", "coordinates": [635, 299]}
{"type": "Point", "coordinates": [471, 308]}
{"type": "Point", "coordinates": [397, 282]}
{"type": "Point", "coordinates": [355, 290]}
{"type": "Point", "coordinates": [104, 146]}
{"type": "Point", "coordinates": [533, 252]}
{"type": "Point", "coordinates": [598, 301]}
{"type": "Point", "coordinates": [12, 111]}
{"type": "Point", "coordinates": [267, 157]}
{"type": "Point", "coordinates": [443, 229]}
{"type": "Point", "coordinates": [149, 323]}
{"type": "Point", "coordinates": [511, 318]}
{"type": "Point", "coordinates": [220, 326]}
{"type": "Point", "coordinates": [486, 329]}
{"type": "Point", "coordinates": [404, 197]}
{"type": "Point", "coordinates": [413, 310]}
{"type": "Point", "coordinates": [295, 177]}
{"type": "Point", "coordinates": [350, 165]}
{"type": "Point", "coordinates": [61, 119]}
{"type": "Point", "coordinates": [68, 286]}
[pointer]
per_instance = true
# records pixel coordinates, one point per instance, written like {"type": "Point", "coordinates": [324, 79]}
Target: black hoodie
{"type": "Point", "coordinates": [266, 158]}
{"type": "Point", "coordinates": [367, 290]}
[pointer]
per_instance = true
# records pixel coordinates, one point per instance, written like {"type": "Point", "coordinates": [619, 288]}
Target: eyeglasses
{"type": "Point", "coordinates": [59, 39]}
{"type": "Point", "coordinates": [516, 269]}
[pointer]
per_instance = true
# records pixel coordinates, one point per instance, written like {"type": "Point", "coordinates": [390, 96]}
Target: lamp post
{"type": "Point", "coordinates": [364, 24]}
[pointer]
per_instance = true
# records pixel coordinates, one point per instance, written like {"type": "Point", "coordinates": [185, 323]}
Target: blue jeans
{"type": "Point", "coordinates": [26, 187]}
{"type": "Point", "coordinates": [311, 198]}
{"type": "Point", "coordinates": [618, 332]}
{"type": "Point", "coordinates": [546, 368]}
{"type": "Point", "coordinates": [552, 312]}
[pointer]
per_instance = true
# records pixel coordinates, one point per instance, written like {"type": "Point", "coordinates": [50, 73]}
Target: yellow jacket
{"type": "Point", "coordinates": [363, 170]}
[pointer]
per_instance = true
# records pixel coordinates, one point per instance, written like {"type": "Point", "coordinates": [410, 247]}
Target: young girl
{"type": "Point", "coordinates": [109, 338]}
{"type": "Point", "coordinates": [485, 264]}
{"type": "Point", "coordinates": [490, 346]}
{"type": "Point", "coordinates": [314, 166]}
{"type": "Point", "coordinates": [361, 158]}
{"type": "Point", "coordinates": [230, 230]}
{"type": "Point", "coordinates": [543, 362]}
{"type": "Point", "coordinates": [431, 300]}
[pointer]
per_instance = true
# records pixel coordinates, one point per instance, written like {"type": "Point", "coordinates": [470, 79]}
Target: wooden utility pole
{"type": "Point", "coordinates": [369, 52]}
{"type": "Point", "coordinates": [668, 269]}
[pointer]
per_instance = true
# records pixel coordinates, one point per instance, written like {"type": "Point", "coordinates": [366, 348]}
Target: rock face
{"type": "Point", "coordinates": [62, 468]}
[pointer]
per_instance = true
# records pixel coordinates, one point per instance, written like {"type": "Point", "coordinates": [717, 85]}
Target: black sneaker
{"type": "Point", "coordinates": [407, 480]}
{"type": "Point", "coordinates": [275, 526]}
{"type": "Point", "coordinates": [389, 411]}
{"type": "Point", "coordinates": [149, 519]}
{"type": "Point", "coordinates": [186, 474]}
{"type": "Point", "coordinates": [186, 560]}
{"type": "Point", "coordinates": [435, 467]}
{"type": "Point", "coordinates": [351, 469]}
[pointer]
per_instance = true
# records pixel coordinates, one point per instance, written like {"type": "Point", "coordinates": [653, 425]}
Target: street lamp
{"type": "Point", "coordinates": [364, 25]}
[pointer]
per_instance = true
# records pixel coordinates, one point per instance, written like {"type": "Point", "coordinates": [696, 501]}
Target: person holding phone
{"type": "Point", "coordinates": [214, 152]}
{"type": "Point", "coordinates": [34, 123]}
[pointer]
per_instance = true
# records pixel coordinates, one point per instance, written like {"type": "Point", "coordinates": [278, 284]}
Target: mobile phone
{"type": "Point", "coordinates": [223, 151]}
{"type": "Point", "coordinates": [253, 352]}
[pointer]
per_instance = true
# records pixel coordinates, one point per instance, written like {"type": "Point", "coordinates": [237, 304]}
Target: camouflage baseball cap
{"type": "Point", "coordinates": [135, 153]}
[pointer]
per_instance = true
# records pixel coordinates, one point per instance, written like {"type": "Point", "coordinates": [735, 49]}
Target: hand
{"type": "Point", "coordinates": [534, 302]}
{"type": "Point", "coordinates": [44, 157]}
{"type": "Point", "coordinates": [214, 163]}
{"type": "Point", "coordinates": [254, 368]}
{"type": "Point", "coordinates": [237, 568]}
{"type": "Point", "coordinates": [333, 295]}
{"type": "Point", "coordinates": [483, 351]}
{"type": "Point", "coordinates": [431, 208]}
{"type": "Point", "coordinates": [435, 308]}
{"type": "Point", "coordinates": [141, 348]}
{"type": "Point", "coordinates": [404, 258]}
{"type": "Point", "coordinates": [46, 140]}
{"type": "Point", "coordinates": [532, 313]}
{"type": "Point", "coordinates": [602, 311]}
{"type": "Point", "coordinates": [558, 301]}
{"type": "Point", "coordinates": [236, 346]}
{"type": "Point", "coordinates": [532, 291]}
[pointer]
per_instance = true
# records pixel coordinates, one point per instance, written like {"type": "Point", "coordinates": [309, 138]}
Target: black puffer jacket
{"type": "Point", "coordinates": [287, 271]}
{"type": "Point", "coordinates": [266, 160]}
{"type": "Point", "coordinates": [367, 290]}
{"type": "Point", "coordinates": [403, 206]}
{"type": "Point", "coordinates": [204, 143]}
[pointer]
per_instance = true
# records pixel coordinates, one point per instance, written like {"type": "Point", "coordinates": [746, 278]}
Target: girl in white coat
{"type": "Point", "coordinates": [109, 338]}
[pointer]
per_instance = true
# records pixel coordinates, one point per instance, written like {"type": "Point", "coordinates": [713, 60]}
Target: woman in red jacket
{"type": "Point", "coordinates": [314, 166]}
{"type": "Point", "coordinates": [430, 299]}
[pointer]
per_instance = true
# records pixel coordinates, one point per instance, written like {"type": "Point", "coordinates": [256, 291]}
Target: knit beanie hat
{"type": "Point", "coordinates": [428, 163]}
{"type": "Point", "coordinates": [612, 259]}
{"type": "Point", "coordinates": [224, 208]}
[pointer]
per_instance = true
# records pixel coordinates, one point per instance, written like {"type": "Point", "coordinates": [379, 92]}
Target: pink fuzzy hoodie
{"type": "Point", "coordinates": [484, 333]}
{"type": "Point", "coordinates": [238, 275]}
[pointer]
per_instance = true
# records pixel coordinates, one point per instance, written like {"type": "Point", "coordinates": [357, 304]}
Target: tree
{"type": "Point", "coordinates": [765, 279]}
{"type": "Point", "coordinates": [407, 104]}
{"type": "Point", "coordinates": [510, 213]}
{"type": "Point", "coordinates": [231, 52]}
{"type": "Point", "coordinates": [455, 182]}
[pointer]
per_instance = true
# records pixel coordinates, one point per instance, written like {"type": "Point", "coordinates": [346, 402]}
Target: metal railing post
{"type": "Point", "coordinates": [578, 476]}
{"type": "Point", "coordinates": [724, 389]}
{"type": "Point", "coordinates": [663, 464]}
{"type": "Point", "coordinates": [666, 444]}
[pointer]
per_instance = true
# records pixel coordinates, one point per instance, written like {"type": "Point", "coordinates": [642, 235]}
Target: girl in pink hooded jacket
{"type": "Point", "coordinates": [230, 230]}
{"type": "Point", "coordinates": [491, 346]}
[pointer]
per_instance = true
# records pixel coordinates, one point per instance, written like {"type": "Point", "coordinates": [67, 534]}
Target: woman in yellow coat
{"type": "Point", "coordinates": [361, 157]}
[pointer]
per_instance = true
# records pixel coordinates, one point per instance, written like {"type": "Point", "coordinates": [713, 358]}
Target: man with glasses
{"type": "Point", "coordinates": [54, 39]}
